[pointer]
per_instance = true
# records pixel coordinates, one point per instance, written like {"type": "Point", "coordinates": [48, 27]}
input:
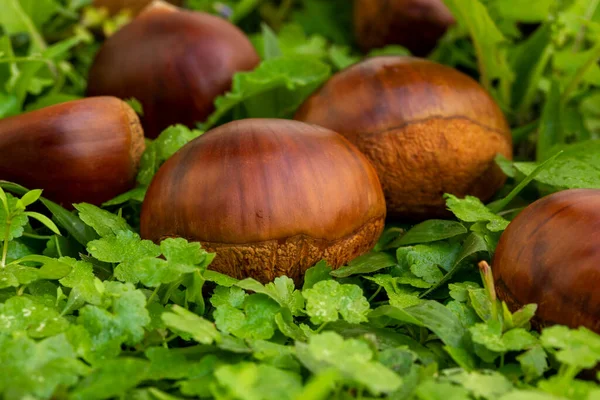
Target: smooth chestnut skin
{"type": "Point", "coordinates": [271, 197]}
{"type": "Point", "coordinates": [134, 6]}
{"type": "Point", "coordinates": [80, 151]}
{"type": "Point", "coordinates": [414, 24]}
{"type": "Point", "coordinates": [550, 255]}
{"type": "Point", "coordinates": [174, 62]}
{"type": "Point", "coordinates": [427, 128]}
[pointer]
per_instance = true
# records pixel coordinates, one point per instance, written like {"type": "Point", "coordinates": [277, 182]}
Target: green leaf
{"type": "Point", "coordinates": [12, 221]}
{"type": "Point", "coordinates": [320, 272]}
{"type": "Point", "coordinates": [577, 167]}
{"type": "Point", "coordinates": [533, 362]}
{"type": "Point", "coordinates": [471, 209]}
{"type": "Point", "coordinates": [365, 264]}
{"type": "Point", "coordinates": [273, 90]}
{"type": "Point", "coordinates": [162, 148]}
{"type": "Point", "coordinates": [429, 261]}
{"type": "Point", "coordinates": [24, 314]}
{"type": "Point", "coordinates": [282, 290]}
{"type": "Point", "coordinates": [255, 321]}
{"type": "Point", "coordinates": [489, 385]}
{"type": "Point", "coordinates": [31, 197]}
{"type": "Point", "coordinates": [122, 322]}
{"type": "Point", "coordinates": [549, 132]}
{"type": "Point", "coordinates": [104, 222]}
{"type": "Point", "coordinates": [30, 369]}
{"type": "Point", "coordinates": [201, 330]}
{"type": "Point", "coordinates": [440, 320]}
{"type": "Point", "coordinates": [487, 39]}
{"type": "Point", "coordinates": [82, 281]}
{"type": "Point", "coordinates": [111, 378]}
{"type": "Point", "coordinates": [51, 267]}
{"type": "Point", "coordinates": [125, 248]}
{"type": "Point", "coordinates": [578, 348]}
{"type": "Point", "coordinates": [352, 358]}
{"type": "Point", "coordinates": [271, 44]}
{"type": "Point", "coordinates": [431, 230]}
{"type": "Point", "coordinates": [328, 298]}
{"type": "Point", "coordinates": [250, 381]}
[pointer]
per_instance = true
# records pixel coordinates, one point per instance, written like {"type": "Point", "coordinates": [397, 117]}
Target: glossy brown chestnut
{"type": "Point", "coordinates": [550, 255]}
{"type": "Point", "coordinates": [174, 62]}
{"type": "Point", "coordinates": [80, 151]}
{"type": "Point", "coordinates": [134, 6]}
{"type": "Point", "coordinates": [427, 128]}
{"type": "Point", "coordinates": [414, 24]}
{"type": "Point", "coordinates": [270, 197]}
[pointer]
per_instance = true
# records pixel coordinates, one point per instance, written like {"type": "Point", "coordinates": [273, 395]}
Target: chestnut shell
{"type": "Point", "coordinates": [84, 150]}
{"type": "Point", "coordinates": [270, 197]}
{"type": "Point", "coordinates": [414, 24]}
{"type": "Point", "coordinates": [427, 128]}
{"type": "Point", "coordinates": [550, 255]}
{"type": "Point", "coordinates": [174, 62]}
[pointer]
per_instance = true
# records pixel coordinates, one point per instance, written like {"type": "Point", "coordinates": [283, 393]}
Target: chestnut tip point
{"type": "Point", "coordinates": [159, 5]}
{"type": "Point", "coordinates": [271, 197]}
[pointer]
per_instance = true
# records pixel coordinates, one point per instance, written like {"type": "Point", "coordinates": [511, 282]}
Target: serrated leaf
{"type": "Point", "coordinates": [103, 222]}
{"type": "Point", "coordinates": [328, 298]}
{"type": "Point", "coordinates": [200, 329]}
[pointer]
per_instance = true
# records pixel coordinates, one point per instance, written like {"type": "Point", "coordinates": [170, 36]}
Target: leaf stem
{"type": "Point", "coordinates": [153, 295]}
{"type": "Point", "coordinates": [375, 294]}
{"type": "Point", "coordinates": [5, 249]}
{"type": "Point", "coordinates": [320, 328]}
{"type": "Point", "coordinates": [34, 236]}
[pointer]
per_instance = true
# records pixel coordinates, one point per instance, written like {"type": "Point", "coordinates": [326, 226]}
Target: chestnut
{"type": "Point", "coordinates": [271, 197]}
{"type": "Point", "coordinates": [427, 128]}
{"type": "Point", "coordinates": [80, 151]}
{"type": "Point", "coordinates": [414, 24]}
{"type": "Point", "coordinates": [133, 6]}
{"type": "Point", "coordinates": [550, 255]}
{"type": "Point", "coordinates": [174, 62]}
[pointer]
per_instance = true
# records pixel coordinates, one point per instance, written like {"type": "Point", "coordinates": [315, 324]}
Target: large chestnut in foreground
{"type": "Point", "coordinates": [80, 151]}
{"type": "Point", "coordinates": [134, 6]}
{"type": "Point", "coordinates": [550, 255]}
{"type": "Point", "coordinates": [270, 197]}
{"type": "Point", "coordinates": [427, 128]}
{"type": "Point", "coordinates": [414, 24]}
{"type": "Point", "coordinates": [174, 62]}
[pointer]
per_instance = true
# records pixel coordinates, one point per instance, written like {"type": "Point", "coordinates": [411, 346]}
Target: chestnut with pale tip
{"type": "Point", "coordinates": [174, 62]}
{"type": "Point", "coordinates": [550, 255]}
{"type": "Point", "coordinates": [132, 6]}
{"type": "Point", "coordinates": [414, 24]}
{"type": "Point", "coordinates": [271, 197]}
{"type": "Point", "coordinates": [427, 128]}
{"type": "Point", "coordinates": [84, 150]}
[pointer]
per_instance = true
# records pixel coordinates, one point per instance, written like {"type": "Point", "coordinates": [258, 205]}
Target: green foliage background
{"type": "Point", "coordinates": [89, 310]}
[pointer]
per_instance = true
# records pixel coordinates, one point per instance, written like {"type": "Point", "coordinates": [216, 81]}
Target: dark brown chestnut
{"type": "Point", "coordinates": [175, 62]}
{"type": "Point", "coordinates": [80, 151]}
{"type": "Point", "coordinates": [427, 128]}
{"type": "Point", "coordinates": [133, 6]}
{"type": "Point", "coordinates": [414, 24]}
{"type": "Point", "coordinates": [270, 197]}
{"type": "Point", "coordinates": [550, 255]}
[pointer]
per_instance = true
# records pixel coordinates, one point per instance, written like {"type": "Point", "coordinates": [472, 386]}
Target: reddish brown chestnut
{"type": "Point", "coordinates": [270, 197]}
{"type": "Point", "coordinates": [133, 6]}
{"type": "Point", "coordinates": [550, 255]}
{"type": "Point", "coordinates": [79, 151]}
{"type": "Point", "coordinates": [427, 128]}
{"type": "Point", "coordinates": [174, 62]}
{"type": "Point", "coordinates": [414, 24]}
